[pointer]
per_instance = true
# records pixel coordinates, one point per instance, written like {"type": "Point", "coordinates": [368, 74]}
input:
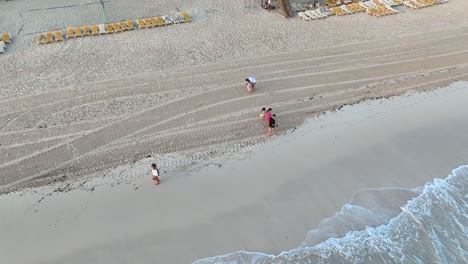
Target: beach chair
{"type": "Point", "coordinates": [179, 18]}
{"type": "Point", "coordinates": [78, 32]}
{"type": "Point", "coordinates": [140, 24]}
{"type": "Point", "coordinates": [86, 30]}
{"type": "Point", "coordinates": [311, 14]}
{"type": "Point", "coordinates": [94, 30]}
{"type": "Point", "coordinates": [186, 17]}
{"type": "Point", "coordinates": [161, 21]}
{"type": "Point", "coordinates": [116, 28]}
{"type": "Point", "coordinates": [130, 24]}
{"type": "Point", "coordinates": [408, 4]}
{"type": "Point", "coordinates": [304, 16]}
{"type": "Point", "coordinates": [49, 37]}
{"type": "Point", "coordinates": [415, 4]}
{"type": "Point", "coordinates": [148, 23]}
{"type": "Point", "coordinates": [6, 38]}
{"type": "Point", "coordinates": [58, 35]}
{"type": "Point", "coordinates": [324, 14]}
{"type": "Point", "coordinates": [40, 38]}
{"type": "Point", "coordinates": [168, 20]}
{"type": "Point", "coordinates": [154, 21]}
{"type": "Point", "coordinates": [102, 29]}
{"type": "Point", "coordinates": [123, 25]}
{"type": "Point", "coordinates": [70, 32]}
{"type": "Point", "coordinates": [109, 29]}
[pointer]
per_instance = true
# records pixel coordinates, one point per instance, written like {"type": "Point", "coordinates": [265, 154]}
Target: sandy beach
{"type": "Point", "coordinates": [86, 105]}
{"type": "Point", "coordinates": [264, 198]}
{"type": "Point", "coordinates": [364, 112]}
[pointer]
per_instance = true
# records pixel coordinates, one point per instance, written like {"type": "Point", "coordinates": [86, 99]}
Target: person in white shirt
{"type": "Point", "coordinates": [155, 173]}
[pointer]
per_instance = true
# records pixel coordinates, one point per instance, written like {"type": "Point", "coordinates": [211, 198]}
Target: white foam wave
{"type": "Point", "coordinates": [431, 228]}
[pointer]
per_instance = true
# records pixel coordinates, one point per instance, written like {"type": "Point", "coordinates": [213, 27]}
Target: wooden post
{"type": "Point", "coordinates": [285, 8]}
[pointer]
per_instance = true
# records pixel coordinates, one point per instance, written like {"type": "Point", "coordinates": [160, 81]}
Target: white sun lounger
{"type": "Point", "coordinates": [311, 14]}
{"type": "Point", "coordinates": [102, 29]}
{"type": "Point", "coordinates": [168, 20]}
{"type": "Point", "coordinates": [321, 13]}
{"type": "Point", "coordinates": [304, 16]}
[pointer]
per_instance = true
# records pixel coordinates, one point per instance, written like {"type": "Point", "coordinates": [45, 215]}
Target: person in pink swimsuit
{"type": "Point", "coordinates": [267, 117]}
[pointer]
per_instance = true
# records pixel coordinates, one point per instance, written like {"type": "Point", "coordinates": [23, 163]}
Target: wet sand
{"type": "Point", "coordinates": [263, 198]}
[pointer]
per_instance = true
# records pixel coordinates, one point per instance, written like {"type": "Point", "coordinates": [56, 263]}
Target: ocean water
{"type": "Point", "coordinates": [422, 226]}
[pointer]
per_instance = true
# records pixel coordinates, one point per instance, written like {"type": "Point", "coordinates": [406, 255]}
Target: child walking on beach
{"type": "Point", "coordinates": [262, 114]}
{"type": "Point", "coordinates": [155, 173]}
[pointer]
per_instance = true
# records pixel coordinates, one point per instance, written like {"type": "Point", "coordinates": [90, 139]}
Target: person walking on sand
{"type": "Point", "coordinates": [262, 114]}
{"type": "Point", "coordinates": [272, 125]}
{"type": "Point", "coordinates": [155, 173]}
{"type": "Point", "coordinates": [251, 81]}
{"type": "Point", "coordinates": [267, 116]}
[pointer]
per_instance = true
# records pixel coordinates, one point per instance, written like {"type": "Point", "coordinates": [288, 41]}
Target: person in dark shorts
{"type": "Point", "coordinates": [272, 125]}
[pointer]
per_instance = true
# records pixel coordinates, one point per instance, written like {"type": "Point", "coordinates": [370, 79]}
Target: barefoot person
{"type": "Point", "coordinates": [155, 173]}
{"type": "Point", "coordinates": [272, 125]}
{"type": "Point", "coordinates": [267, 117]}
{"type": "Point", "coordinates": [262, 114]}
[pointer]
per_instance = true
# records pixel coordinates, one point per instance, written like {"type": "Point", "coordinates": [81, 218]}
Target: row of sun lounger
{"type": "Point", "coordinates": [163, 20]}
{"type": "Point", "coordinates": [415, 4]}
{"type": "Point", "coordinates": [6, 38]}
{"type": "Point", "coordinates": [78, 32]}
{"type": "Point", "coordinates": [381, 11]}
{"type": "Point", "coordinates": [49, 37]}
{"type": "Point", "coordinates": [313, 14]}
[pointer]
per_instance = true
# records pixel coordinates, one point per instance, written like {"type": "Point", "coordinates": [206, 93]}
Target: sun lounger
{"type": "Point", "coordinates": [410, 5]}
{"type": "Point", "coordinates": [186, 17]}
{"type": "Point", "coordinates": [116, 28]}
{"type": "Point", "coordinates": [178, 18]}
{"type": "Point", "coordinates": [154, 21]}
{"type": "Point", "coordinates": [40, 38]}
{"type": "Point", "coordinates": [311, 14]}
{"type": "Point", "coordinates": [49, 37]}
{"type": "Point", "coordinates": [6, 38]}
{"type": "Point", "coordinates": [78, 32]}
{"type": "Point", "coordinates": [94, 30]}
{"type": "Point", "coordinates": [58, 35]}
{"type": "Point", "coordinates": [123, 25]}
{"type": "Point", "coordinates": [130, 24]}
{"type": "Point", "coordinates": [168, 20]}
{"type": "Point", "coordinates": [323, 13]}
{"type": "Point", "coordinates": [86, 30]}
{"type": "Point", "coordinates": [102, 29]}
{"type": "Point", "coordinates": [2, 47]}
{"type": "Point", "coordinates": [70, 32]}
{"type": "Point", "coordinates": [161, 21]}
{"type": "Point", "coordinates": [148, 23]}
{"type": "Point", "coordinates": [109, 29]}
{"type": "Point", "coordinates": [304, 16]}
{"type": "Point", "coordinates": [140, 24]}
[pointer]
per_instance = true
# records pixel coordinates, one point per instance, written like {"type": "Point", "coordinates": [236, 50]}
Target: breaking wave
{"type": "Point", "coordinates": [381, 226]}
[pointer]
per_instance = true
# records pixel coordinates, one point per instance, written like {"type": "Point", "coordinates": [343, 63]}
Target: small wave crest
{"type": "Point", "coordinates": [431, 228]}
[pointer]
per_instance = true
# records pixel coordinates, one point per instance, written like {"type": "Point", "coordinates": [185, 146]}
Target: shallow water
{"type": "Point", "coordinates": [431, 228]}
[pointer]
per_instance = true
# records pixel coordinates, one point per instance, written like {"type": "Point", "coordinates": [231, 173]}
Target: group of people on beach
{"type": "Point", "coordinates": [268, 119]}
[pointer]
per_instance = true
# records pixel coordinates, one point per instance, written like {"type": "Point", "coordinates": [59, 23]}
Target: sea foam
{"type": "Point", "coordinates": [431, 228]}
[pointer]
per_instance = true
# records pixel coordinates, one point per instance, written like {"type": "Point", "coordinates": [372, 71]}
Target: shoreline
{"type": "Point", "coordinates": [99, 111]}
{"type": "Point", "coordinates": [265, 198]}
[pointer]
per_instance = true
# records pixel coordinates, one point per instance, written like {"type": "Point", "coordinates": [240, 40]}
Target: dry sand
{"type": "Point", "coordinates": [85, 105]}
{"type": "Point", "coordinates": [88, 111]}
{"type": "Point", "coordinates": [265, 200]}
